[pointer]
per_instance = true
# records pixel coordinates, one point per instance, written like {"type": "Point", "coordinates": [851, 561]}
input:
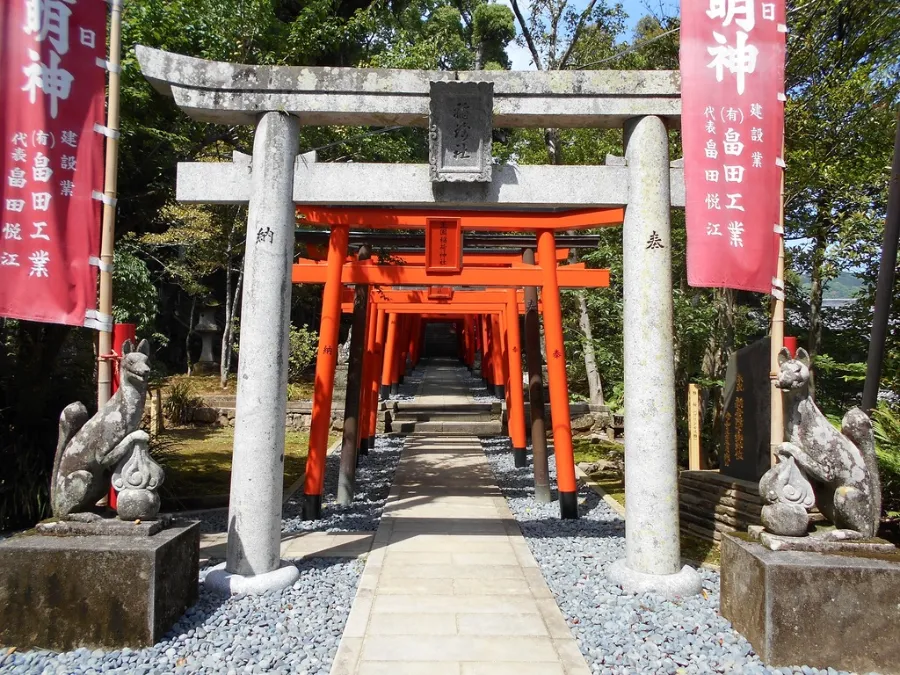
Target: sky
{"type": "Point", "coordinates": [521, 59]}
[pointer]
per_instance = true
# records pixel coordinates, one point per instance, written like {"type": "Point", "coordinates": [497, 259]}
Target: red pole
{"type": "Point", "coordinates": [375, 376]}
{"type": "Point", "coordinates": [516, 392]}
{"type": "Point", "coordinates": [121, 332]}
{"type": "Point", "coordinates": [399, 353]}
{"type": "Point", "coordinates": [559, 386]}
{"type": "Point", "coordinates": [497, 357]}
{"type": "Point", "coordinates": [390, 350]}
{"type": "Point", "coordinates": [504, 354]}
{"type": "Point", "coordinates": [365, 400]}
{"type": "Point", "coordinates": [325, 366]}
{"type": "Point", "coordinates": [485, 354]}
{"type": "Point", "coordinates": [415, 324]}
{"type": "Point", "coordinates": [791, 344]}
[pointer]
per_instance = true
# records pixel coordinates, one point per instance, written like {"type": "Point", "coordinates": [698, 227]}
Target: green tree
{"type": "Point", "coordinates": [843, 85]}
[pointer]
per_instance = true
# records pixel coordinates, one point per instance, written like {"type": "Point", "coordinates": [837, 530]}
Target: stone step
{"type": "Point", "coordinates": [448, 428]}
{"type": "Point", "coordinates": [442, 416]}
{"type": "Point", "coordinates": [464, 407]}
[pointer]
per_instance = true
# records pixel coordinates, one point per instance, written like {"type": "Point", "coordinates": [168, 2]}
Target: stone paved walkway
{"type": "Point", "coordinates": [450, 586]}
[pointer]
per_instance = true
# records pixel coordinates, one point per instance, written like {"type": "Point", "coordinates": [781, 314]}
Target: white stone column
{"type": "Point", "coordinates": [257, 474]}
{"type": "Point", "coordinates": [653, 556]}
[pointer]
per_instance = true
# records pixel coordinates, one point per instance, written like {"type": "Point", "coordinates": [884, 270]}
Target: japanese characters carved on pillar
{"type": "Point", "coordinates": [460, 131]}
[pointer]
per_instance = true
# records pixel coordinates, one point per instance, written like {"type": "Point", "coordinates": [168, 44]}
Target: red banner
{"type": "Point", "coordinates": [51, 96]}
{"type": "Point", "coordinates": [732, 121]}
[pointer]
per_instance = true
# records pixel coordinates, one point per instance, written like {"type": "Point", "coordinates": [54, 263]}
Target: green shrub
{"type": "Point", "coordinates": [304, 345]}
{"type": "Point", "coordinates": [887, 446]}
{"type": "Point", "coordinates": [181, 403]}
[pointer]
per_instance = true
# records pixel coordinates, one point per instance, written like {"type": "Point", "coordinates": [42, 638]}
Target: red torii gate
{"type": "Point", "coordinates": [447, 269]}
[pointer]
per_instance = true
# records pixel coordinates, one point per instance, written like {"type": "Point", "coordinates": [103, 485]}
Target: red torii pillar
{"type": "Point", "coordinates": [516, 394]}
{"type": "Point", "coordinates": [401, 345]}
{"type": "Point", "coordinates": [414, 328]}
{"type": "Point", "coordinates": [375, 376]}
{"type": "Point", "coordinates": [365, 385]}
{"type": "Point", "coordinates": [497, 356]}
{"type": "Point", "coordinates": [390, 351]}
{"type": "Point", "coordinates": [559, 387]}
{"type": "Point", "coordinates": [486, 368]}
{"type": "Point", "coordinates": [325, 366]}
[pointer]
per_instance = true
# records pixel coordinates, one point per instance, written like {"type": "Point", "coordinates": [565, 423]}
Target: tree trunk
{"type": "Point", "coordinates": [187, 339]}
{"type": "Point", "coordinates": [595, 387]}
{"type": "Point", "coordinates": [551, 140]}
{"type": "Point", "coordinates": [235, 311]}
{"type": "Point", "coordinates": [817, 287]}
{"type": "Point", "coordinates": [226, 332]}
{"type": "Point", "coordinates": [715, 360]}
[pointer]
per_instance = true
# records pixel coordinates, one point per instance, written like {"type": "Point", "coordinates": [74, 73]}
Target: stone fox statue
{"type": "Point", "coordinates": [89, 449]}
{"type": "Point", "coordinates": [841, 465]}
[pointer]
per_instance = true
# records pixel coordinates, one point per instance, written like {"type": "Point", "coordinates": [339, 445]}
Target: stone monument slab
{"type": "Point", "coordinates": [65, 592]}
{"type": "Point", "coordinates": [820, 609]}
{"type": "Point", "coordinates": [747, 413]}
{"type": "Point", "coordinates": [460, 126]}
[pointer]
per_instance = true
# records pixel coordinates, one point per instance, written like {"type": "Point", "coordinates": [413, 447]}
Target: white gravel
{"type": "Point", "coordinates": [619, 632]}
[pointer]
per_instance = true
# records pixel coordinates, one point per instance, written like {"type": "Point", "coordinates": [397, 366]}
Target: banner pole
{"type": "Point", "coordinates": [776, 342]}
{"type": "Point", "coordinates": [104, 368]}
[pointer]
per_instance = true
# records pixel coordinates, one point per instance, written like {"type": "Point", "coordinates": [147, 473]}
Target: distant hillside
{"type": "Point", "coordinates": [845, 286]}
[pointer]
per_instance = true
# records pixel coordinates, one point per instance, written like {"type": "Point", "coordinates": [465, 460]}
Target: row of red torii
{"type": "Point", "coordinates": [390, 321]}
{"type": "Point", "coordinates": [277, 180]}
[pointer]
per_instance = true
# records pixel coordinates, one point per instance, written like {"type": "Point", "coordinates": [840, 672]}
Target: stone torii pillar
{"type": "Point", "coordinates": [652, 548]}
{"type": "Point", "coordinates": [253, 562]}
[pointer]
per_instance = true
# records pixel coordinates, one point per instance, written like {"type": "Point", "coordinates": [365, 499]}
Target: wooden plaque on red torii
{"type": "Point", "coordinates": [443, 245]}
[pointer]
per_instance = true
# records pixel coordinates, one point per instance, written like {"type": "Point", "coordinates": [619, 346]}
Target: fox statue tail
{"type": "Point", "coordinates": [71, 420]}
{"type": "Point", "coordinates": [857, 426]}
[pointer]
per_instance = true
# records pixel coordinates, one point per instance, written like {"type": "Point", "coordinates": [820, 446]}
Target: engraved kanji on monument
{"type": "Point", "coordinates": [460, 131]}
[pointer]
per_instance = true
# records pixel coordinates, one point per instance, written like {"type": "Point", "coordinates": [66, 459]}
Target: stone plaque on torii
{"type": "Point", "coordinates": [459, 132]}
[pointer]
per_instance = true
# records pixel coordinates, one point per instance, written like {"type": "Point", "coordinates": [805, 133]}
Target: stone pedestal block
{"type": "Point", "coordinates": [816, 609]}
{"type": "Point", "coordinates": [65, 592]}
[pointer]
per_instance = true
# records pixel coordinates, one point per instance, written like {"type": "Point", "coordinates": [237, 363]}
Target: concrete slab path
{"type": "Point", "coordinates": [450, 586]}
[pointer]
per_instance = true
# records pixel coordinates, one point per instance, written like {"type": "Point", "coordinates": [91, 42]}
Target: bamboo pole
{"type": "Point", "coordinates": [776, 341]}
{"type": "Point", "coordinates": [104, 343]}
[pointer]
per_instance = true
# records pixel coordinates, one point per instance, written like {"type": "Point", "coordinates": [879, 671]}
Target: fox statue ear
{"type": "Point", "coordinates": [127, 347]}
{"type": "Point", "coordinates": [783, 356]}
{"type": "Point", "coordinates": [144, 348]}
{"type": "Point", "coordinates": [803, 356]}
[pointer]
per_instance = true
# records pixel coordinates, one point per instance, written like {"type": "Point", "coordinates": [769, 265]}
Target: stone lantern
{"type": "Point", "coordinates": [206, 328]}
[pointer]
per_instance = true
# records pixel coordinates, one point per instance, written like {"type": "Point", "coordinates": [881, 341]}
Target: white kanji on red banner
{"type": "Point", "coordinates": [51, 160]}
{"type": "Point", "coordinates": [732, 74]}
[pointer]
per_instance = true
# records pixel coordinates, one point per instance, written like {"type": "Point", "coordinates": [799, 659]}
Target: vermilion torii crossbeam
{"type": "Point", "coordinates": [483, 221]}
{"type": "Point", "coordinates": [470, 258]}
{"type": "Point", "coordinates": [570, 276]}
{"type": "Point", "coordinates": [400, 297]}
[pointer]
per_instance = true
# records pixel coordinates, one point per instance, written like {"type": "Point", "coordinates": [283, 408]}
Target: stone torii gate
{"type": "Point", "coordinates": [278, 99]}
